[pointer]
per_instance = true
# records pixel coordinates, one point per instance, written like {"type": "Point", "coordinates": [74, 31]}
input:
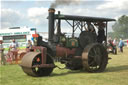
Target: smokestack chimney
{"type": "Point", "coordinates": [51, 24]}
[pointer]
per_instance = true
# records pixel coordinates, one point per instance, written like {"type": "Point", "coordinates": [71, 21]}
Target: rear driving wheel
{"type": "Point", "coordinates": [95, 58]}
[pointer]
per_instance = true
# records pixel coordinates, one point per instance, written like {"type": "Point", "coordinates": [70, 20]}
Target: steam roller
{"type": "Point", "coordinates": [77, 51]}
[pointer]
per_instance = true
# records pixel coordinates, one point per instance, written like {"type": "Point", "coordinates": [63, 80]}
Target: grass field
{"type": "Point", "coordinates": [116, 73]}
{"type": "Point", "coordinates": [6, 49]}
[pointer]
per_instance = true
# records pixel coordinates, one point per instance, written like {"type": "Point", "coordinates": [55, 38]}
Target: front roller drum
{"type": "Point", "coordinates": [32, 59]}
{"type": "Point", "coordinates": [94, 58]}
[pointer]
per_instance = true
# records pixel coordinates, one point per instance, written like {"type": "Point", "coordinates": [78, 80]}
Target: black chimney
{"type": "Point", "coordinates": [51, 24]}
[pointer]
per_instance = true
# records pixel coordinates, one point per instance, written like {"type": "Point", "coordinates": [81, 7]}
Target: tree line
{"type": "Point", "coordinates": [120, 28]}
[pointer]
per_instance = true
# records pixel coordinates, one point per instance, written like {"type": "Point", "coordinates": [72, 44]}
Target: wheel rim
{"type": "Point", "coordinates": [37, 61]}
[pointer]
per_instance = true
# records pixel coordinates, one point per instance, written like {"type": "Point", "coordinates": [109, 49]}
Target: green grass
{"type": "Point", "coordinates": [6, 49]}
{"type": "Point", "coordinates": [116, 73]}
{"type": "Point", "coordinates": [22, 47]}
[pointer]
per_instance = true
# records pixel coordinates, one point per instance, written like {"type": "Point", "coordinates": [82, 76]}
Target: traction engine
{"type": "Point", "coordinates": [81, 52]}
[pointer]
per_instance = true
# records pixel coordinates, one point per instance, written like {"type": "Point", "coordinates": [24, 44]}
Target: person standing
{"type": "Point", "coordinates": [115, 42]}
{"type": "Point", "coordinates": [14, 50]}
{"type": "Point", "coordinates": [121, 45]}
{"type": "Point", "coordinates": [29, 45]}
{"type": "Point", "coordinates": [3, 60]}
{"type": "Point", "coordinates": [127, 43]}
{"type": "Point", "coordinates": [101, 33]}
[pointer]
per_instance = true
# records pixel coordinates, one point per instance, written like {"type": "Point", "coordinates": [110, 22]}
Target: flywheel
{"type": "Point", "coordinates": [94, 58]}
{"type": "Point", "coordinates": [86, 38]}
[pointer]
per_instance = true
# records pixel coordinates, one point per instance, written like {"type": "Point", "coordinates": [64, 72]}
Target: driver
{"type": "Point", "coordinates": [101, 33]}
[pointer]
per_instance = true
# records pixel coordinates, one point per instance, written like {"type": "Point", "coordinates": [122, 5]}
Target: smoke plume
{"type": "Point", "coordinates": [63, 3]}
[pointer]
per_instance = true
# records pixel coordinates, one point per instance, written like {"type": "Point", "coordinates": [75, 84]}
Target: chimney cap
{"type": "Point", "coordinates": [51, 10]}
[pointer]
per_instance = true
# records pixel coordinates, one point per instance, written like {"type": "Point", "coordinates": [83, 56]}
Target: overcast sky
{"type": "Point", "coordinates": [33, 13]}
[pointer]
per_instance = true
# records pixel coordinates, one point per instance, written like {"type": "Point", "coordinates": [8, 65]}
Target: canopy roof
{"type": "Point", "coordinates": [82, 18]}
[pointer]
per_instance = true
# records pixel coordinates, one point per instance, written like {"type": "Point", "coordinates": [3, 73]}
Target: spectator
{"type": "Point", "coordinates": [110, 42]}
{"type": "Point", "coordinates": [121, 45]}
{"type": "Point", "coordinates": [127, 43]}
{"type": "Point", "coordinates": [29, 45]}
{"type": "Point", "coordinates": [115, 42]}
{"type": "Point", "coordinates": [3, 60]}
{"type": "Point", "coordinates": [14, 50]}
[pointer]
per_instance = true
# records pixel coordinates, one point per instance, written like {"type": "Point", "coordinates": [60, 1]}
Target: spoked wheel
{"type": "Point", "coordinates": [95, 58]}
{"type": "Point", "coordinates": [34, 58]}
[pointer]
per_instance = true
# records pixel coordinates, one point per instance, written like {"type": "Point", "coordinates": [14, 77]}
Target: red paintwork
{"type": "Point", "coordinates": [35, 35]}
{"type": "Point", "coordinates": [43, 51]}
{"type": "Point", "coordinates": [62, 51]}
